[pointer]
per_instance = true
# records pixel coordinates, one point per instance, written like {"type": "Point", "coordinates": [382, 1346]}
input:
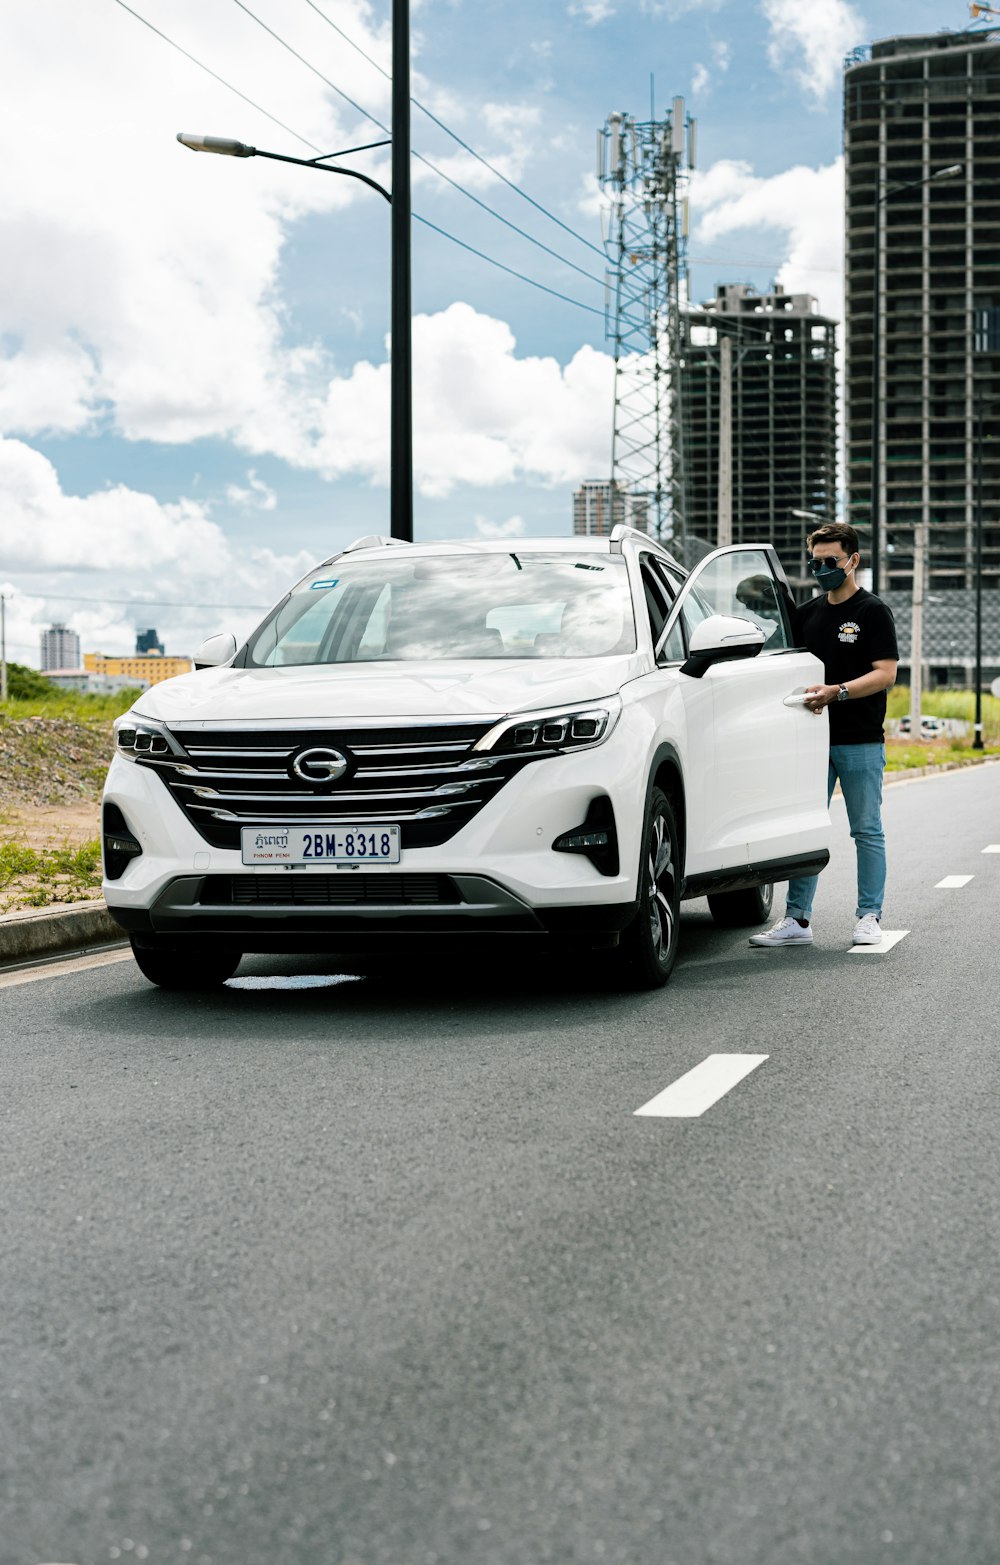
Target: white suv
{"type": "Point", "coordinates": [421, 742]}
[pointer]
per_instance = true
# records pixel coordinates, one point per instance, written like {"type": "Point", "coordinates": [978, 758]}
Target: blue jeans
{"type": "Point", "coordinates": [859, 768]}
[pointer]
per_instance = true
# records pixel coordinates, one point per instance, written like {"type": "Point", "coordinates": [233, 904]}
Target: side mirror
{"type": "Point", "coordinates": [722, 638]}
{"type": "Point", "coordinates": [215, 651]}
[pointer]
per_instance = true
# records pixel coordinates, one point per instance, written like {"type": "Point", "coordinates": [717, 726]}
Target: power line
{"type": "Point", "coordinates": [455, 184]}
{"type": "Point", "coordinates": [457, 138]}
{"type": "Point", "coordinates": [202, 67]}
{"type": "Point", "coordinates": [521, 277]}
{"type": "Point", "coordinates": [500, 265]}
{"type": "Point", "coordinates": [141, 603]}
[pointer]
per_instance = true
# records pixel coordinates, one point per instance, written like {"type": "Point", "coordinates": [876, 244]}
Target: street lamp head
{"type": "Point", "coordinates": [951, 172]}
{"type": "Point", "coordinates": [220, 144]}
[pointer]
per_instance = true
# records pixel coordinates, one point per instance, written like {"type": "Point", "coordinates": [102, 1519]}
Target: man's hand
{"type": "Point", "coordinates": [819, 696]}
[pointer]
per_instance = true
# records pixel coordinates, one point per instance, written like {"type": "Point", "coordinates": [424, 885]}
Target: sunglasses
{"type": "Point", "coordinates": [822, 565]}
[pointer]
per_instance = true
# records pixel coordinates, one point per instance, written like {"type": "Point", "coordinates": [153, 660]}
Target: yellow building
{"type": "Point", "coordinates": [150, 667]}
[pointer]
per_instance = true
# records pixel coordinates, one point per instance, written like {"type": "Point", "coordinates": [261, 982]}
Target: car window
{"type": "Point", "coordinates": [743, 584]}
{"type": "Point", "coordinates": [657, 599]}
{"type": "Point", "coordinates": [673, 649]}
{"type": "Point", "coordinates": [490, 605]}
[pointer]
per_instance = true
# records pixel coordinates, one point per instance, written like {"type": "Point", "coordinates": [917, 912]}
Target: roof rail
{"type": "Point", "coordinates": [621, 531]}
{"type": "Point", "coordinates": [373, 541]}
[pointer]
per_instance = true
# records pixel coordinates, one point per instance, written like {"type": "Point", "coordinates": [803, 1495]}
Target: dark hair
{"type": "Point", "coordinates": [836, 532]}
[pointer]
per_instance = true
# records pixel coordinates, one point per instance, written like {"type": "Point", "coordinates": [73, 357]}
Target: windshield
{"type": "Point", "coordinates": [452, 606]}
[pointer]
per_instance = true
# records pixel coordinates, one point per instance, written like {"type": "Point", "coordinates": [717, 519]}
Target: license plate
{"type": "Point", "coordinates": [342, 844]}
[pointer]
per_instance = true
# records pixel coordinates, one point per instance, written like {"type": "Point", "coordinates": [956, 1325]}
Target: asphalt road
{"type": "Point", "coordinates": [388, 1272]}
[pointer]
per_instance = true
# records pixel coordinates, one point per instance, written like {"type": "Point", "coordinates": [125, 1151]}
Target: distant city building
{"type": "Point", "coordinates": [765, 365]}
{"type": "Point", "coordinates": [60, 648]}
{"type": "Point", "coordinates": [146, 669]}
{"type": "Point", "coordinates": [915, 107]}
{"type": "Point", "coordinates": [599, 505]}
{"type": "Point", "coordinates": [148, 641]}
{"type": "Point", "coordinates": [86, 683]}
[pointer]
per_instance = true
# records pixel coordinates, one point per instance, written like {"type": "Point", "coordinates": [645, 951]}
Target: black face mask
{"type": "Point", "coordinates": [828, 577]}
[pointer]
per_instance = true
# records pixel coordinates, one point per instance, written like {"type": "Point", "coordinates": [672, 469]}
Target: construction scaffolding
{"type": "Point", "coordinates": [642, 169]}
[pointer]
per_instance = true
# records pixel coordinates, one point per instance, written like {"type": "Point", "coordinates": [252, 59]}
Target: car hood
{"type": "Point", "coordinates": [333, 693]}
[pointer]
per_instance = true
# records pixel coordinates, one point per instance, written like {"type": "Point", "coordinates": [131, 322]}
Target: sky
{"type": "Point", "coordinates": [194, 373]}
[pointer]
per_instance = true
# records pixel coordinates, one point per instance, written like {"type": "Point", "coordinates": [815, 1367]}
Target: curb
{"type": "Point", "coordinates": [907, 773]}
{"type": "Point", "coordinates": [24, 937]}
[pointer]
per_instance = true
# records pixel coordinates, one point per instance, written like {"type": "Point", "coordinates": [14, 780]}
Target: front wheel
{"type": "Point", "coordinates": [174, 967]}
{"type": "Point", "coordinates": [648, 946]}
{"type": "Point", "coordinates": [740, 909]}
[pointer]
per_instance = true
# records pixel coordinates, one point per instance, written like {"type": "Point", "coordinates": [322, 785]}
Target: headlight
{"type": "Point", "coordinates": [139, 737]}
{"type": "Point", "coordinates": [555, 732]}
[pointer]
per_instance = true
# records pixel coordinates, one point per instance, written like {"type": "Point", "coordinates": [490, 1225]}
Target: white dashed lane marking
{"type": "Point", "coordinates": [890, 938]}
{"type": "Point", "coordinates": [994, 847]}
{"type": "Point", "coordinates": [953, 882]}
{"type": "Point", "coordinates": [691, 1094]}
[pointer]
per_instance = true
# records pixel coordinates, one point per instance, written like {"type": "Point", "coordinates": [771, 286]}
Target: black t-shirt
{"type": "Point", "coordinates": [848, 638]}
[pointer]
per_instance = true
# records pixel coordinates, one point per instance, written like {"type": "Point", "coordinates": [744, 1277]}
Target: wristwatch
{"type": "Point", "coordinates": [842, 693]}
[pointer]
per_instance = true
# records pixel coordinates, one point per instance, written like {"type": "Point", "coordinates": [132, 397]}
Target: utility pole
{"type": "Point", "coordinates": [3, 647]}
{"type": "Point", "coordinates": [917, 630]}
{"type": "Point", "coordinates": [725, 529]}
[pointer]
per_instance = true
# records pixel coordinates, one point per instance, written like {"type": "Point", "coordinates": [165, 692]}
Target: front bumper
{"type": "Point", "coordinates": [189, 908]}
{"type": "Point", "coordinates": [503, 873]}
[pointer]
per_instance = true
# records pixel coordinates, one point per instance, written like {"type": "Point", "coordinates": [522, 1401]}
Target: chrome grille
{"type": "Point", "coordinates": [424, 776]}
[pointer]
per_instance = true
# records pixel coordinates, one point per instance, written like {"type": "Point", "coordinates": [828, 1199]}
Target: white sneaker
{"type": "Point", "coordinates": [868, 931]}
{"type": "Point", "coordinates": [786, 932]}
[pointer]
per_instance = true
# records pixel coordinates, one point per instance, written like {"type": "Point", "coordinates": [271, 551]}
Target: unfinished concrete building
{"type": "Point", "coordinates": [760, 408]}
{"type": "Point", "coordinates": [601, 504]}
{"type": "Point", "coordinates": [922, 146]}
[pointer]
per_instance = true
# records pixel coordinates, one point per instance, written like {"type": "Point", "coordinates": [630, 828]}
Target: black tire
{"type": "Point", "coordinates": [741, 909]}
{"type": "Point", "coordinates": [647, 949]}
{"type": "Point", "coordinates": [176, 967]}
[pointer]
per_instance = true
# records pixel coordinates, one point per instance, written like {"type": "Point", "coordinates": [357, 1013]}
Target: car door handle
{"type": "Point", "coordinates": [797, 698]}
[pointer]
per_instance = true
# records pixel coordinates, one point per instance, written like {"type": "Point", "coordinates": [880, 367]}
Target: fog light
{"type": "Point", "coordinates": [595, 837]}
{"type": "Point", "coordinates": [120, 846]}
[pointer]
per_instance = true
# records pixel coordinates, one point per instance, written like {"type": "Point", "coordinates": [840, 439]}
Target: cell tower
{"type": "Point", "coordinates": [643, 169]}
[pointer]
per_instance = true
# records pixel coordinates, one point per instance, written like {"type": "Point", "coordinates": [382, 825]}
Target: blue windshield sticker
{"type": "Point", "coordinates": [318, 586]}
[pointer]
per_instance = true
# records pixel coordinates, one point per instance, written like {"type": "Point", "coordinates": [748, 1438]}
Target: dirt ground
{"type": "Point", "coordinates": [51, 774]}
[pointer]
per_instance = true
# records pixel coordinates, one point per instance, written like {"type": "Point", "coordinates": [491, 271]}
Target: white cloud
{"type": "Point", "coordinates": [257, 496]}
{"type": "Point", "coordinates": [700, 78]}
{"type": "Point", "coordinates": [482, 416]}
{"type": "Point", "coordinates": [137, 281]}
{"type": "Point", "coordinates": [119, 543]}
{"type": "Point", "coordinates": [812, 40]}
{"type": "Point", "coordinates": [513, 527]}
{"type": "Point", "coordinates": [804, 205]}
{"type": "Point", "coordinates": [592, 11]}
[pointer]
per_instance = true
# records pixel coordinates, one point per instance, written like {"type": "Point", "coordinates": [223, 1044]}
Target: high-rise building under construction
{"type": "Point", "coordinates": [760, 410]}
{"type": "Point", "coordinates": [922, 148]}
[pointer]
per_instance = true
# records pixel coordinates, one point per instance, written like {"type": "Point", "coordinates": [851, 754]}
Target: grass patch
{"type": "Point", "coordinates": [948, 703]}
{"type": "Point", "coordinates": [903, 755]}
{"type": "Point", "coordinates": [37, 877]}
{"type": "Point", "coordinates": [30, 694]}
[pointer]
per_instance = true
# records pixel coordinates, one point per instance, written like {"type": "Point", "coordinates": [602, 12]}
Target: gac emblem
{"type": "Point", "coordinates": [319, 766]}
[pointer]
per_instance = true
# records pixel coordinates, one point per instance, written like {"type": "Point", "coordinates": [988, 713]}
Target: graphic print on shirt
{"type": "Point", "coordinates": [849, 631]}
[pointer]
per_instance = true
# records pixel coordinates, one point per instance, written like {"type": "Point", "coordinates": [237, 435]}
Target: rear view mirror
{"type": "Point", "coordinates": [722, 638]}
{"type": "Point", "coordinates": [215, 651]}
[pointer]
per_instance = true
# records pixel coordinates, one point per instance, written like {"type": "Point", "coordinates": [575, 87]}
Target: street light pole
{"type": "Point", "coordinates": [977, 736]}
{"type": "Point", "coordinates": [881, 197]}
{"type": "Point", "coordinates": [401, 362]}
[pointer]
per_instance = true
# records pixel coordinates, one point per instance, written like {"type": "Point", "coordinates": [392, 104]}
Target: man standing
{"type": "Point", "coordinates": [852, 633]}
